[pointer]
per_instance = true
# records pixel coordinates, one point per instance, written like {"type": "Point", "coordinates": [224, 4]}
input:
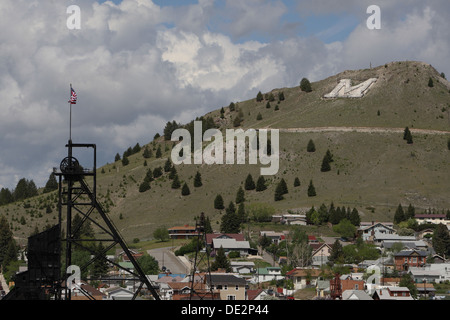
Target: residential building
{"type": "Point", "coordinates": [369, 232]}
{"type": "Point", "coordinates": [320, 254]}
{"type": "Point", "coordinates": [303, 278]}
{"type": "Point", "coordinates": [355, 295]}
{"type": "Point", "coordinates": [276, 237]}
{"type": "Point", "coordinates": [230, 287]}
{"type": "Point", "coordinates": [229, 245]}
{"type": "Point", "coordinates": [182, 232]}
{"type": "Point", "coordinates": [409, 258]}
{"type": "Point", "coordinates": [242, 267]}
{"type": "Point", "coordinates": [392, 293]}
{"type": "Point", "coordinates": [267, 274]}
{"type": "Point", "coordinates": [432, 218]}
{"type": "Point", "coordinates": [211, 236]}
{"type": "Point", "coordinates": [431, 273]}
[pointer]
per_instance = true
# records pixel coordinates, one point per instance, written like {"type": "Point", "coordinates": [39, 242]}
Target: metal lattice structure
{"type": "Point", "coordinates": [200, 278]}
{"type": "Point", "coordinates": [336, 288]}
{"type": "Point", "coordinates": [78, 197]}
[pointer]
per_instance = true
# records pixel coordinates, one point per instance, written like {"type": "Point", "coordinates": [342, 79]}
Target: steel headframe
{"type": "Point", "coordinates": [199, 279]}
{"type": "Point", "coordinates": [79, 198]}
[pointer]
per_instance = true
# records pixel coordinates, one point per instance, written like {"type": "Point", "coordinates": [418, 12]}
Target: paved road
{"type": "Point", "coordinates": [165, 257]}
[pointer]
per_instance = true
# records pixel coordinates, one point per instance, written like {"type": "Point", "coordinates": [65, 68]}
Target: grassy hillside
{"type": "Point", "coordinates": [372, 171]}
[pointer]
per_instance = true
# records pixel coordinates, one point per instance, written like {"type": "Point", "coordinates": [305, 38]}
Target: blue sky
{"type": "Point", "coordinates": [134, 62]}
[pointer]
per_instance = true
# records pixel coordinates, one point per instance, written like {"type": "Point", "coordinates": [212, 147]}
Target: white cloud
{"type": "Point", "coordinates": [136, 66]}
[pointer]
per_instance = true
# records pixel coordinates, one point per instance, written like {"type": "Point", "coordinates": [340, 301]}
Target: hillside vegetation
{"type": "Point", "coordinates": [372, 170]}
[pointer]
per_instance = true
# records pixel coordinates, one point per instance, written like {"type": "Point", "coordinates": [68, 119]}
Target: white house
{"type": "Point", "coordinates": [370, 232]}
{"type": "Point", "coordinates": [267, 274]}
{"type": "Point", "coordinates": [242, 267]}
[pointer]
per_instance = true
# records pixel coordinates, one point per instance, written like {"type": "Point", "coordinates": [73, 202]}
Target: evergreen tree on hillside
{"type": "Point", "coordinates": [430, 82]}
{"type": "Point", "coordinates": [311, 189]}
{"type": "Point", "coordinates": [296, 182]}
{"type": "Point", "coordinates": [249, 183]}
{"type": "Point", "coordinates": [399, 215]}
{"type": "Point", "coordinates": [176, 182]}
{"type": "Point", "coordinates": [117, 157]}
{"type": "Point", "coordinates": [6, 237]}
{"type": "Point", "coordinates": [147, 153]}
{"type": "Point", "coordinates": [173, 173]}
{"type": "Point", "coordinates": [51, 184]}
{"type": "Point", "coordinates": [259, 97]}
{"type": "Point", "coordinates": [185, 190]}
{"type": "Point", "coordinates": [325, 164]}
{"type": "Point", "coordinates": [125, 160]}
{"type": "Point", "coordinates": [305, 85]}
{"type": "Point", "coordinates": [159, 152]}
{"type": "Point", "coordinates": [240, 196]}
{"type": "Point", "coordinates": [261, 184]}
{"type": "Point", "coordinates": [6, 196]}
{"type": "Point", "coordinates": [410, 212]}
{"type": "Point", "coordinates": [169, 129]}
{"type": "Point", "coordinates": [407, 136]}
{"type": "Point", "coordinates": [218, 202]}
{"type": "Point", "coordinates": [311, 146]}
{"type": "Point", "coordinates": [198, 180]}
{"type": "Point", "coordinates": [284, 187]}
{"type": "Point", "coordinates": [354, 218]}
{"type": "Point", "coordinates": [167, 165]}
{"type": "Point", "coordinates": [144, 186]}
{"type": "Point", "coordinates": [336, 252]}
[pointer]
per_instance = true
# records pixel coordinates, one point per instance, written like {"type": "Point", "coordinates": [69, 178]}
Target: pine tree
{"type": "Point", "coordinates": [167, 165]}
{"type": "Point", "coordinates": [430, 83]}
{"type": "Point", "coordinates": [231, 208]}
{"type": "Point", "coordinates": [297, 182]}
{"type": "Point", "coordinates": [261, 184]}
{"type": "Point", "coordinates": [268, 106]}
{"type": "Point", "coordinates": [325, 164]}
{"type": "Point", "coordinates": [147, 153]}
{"type": "Point", "coordinates": [410, 212]}
{"type": "Point", "coordinates": [117, 157]}
{"type": "Point", "coordinates": [240, 196]}
{"type": "Point", "coordinates": [259, 116]}
{"type": "Point", "coordinates": [185, 190]}
{"type": "Point", "coordinates": [249, 183]}
{"type": "Point", "coordinates": [173, 173]}
{"type": "Point", "coordinates": [241, 212]}
{"type": "Point", "coordinates": [259, 97]}
{"type": "Point", "coordinates": [305, 85]}
{"type": "Point", "coordinates": [407, 136]}
{"type": "Point", "coordinates": [399, 215]}
{"type": "Point", "coordinates": [284, 187]}
{"type": "Point", "coordinates": [441, 240]}
{"type": "Point", "coordinates": [125, 161]}
{"type": "Point", "coordinates": [198, 180]}
{"type": "Point", "coordinates": [221, 261]}
{"type": "Point", "coordinates": [311, 189]}
{"type": "Point", "coordinates": [218, 202]}
{"type": "Point", "coordinates": [100, 265]}
{"type": "Point", "coordinates": [159, 152]}
{"type": "Point", "coordinates": [311, 146]}
{"type": "Point", "coordinates": [279, 192]}
{"type": "Point", "coordinates": [355, 219]}
{"type": "Point", "coordinates": [144, 186]}
{"type": "Point", "coordinates": [336, 252]}
{"type": "Point", "coordinates": [176, 182]}
{"type": "Point", "coordinates": [51, 184]}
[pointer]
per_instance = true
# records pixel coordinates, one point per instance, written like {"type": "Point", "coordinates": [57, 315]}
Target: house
{"type": "Point", "coordinates": [431, 273]}
{"type": "Point", "coordinates": [323, 288]}
{"type": "Point", "coordinates": [229, 245]}
{"type": "Point", "coordinates": [348, 283]}
{"type": "Point", "coordinates": [355, 295]}
{"type": "Point", "coordinates": [320, 254]}
{"type": "Point", "coordinates": [267, 274]}
{"type": "Point", "coordinates": [418, 245]}
{"type": "Point", "coordinates": [276, 237]}
{"type": "Point", "coordinates": [392, 293]}
{"type": "Point", "coordinates": [409, 258]}
{"type": "Point", "coordinates": [242, 267]}
{"type": "Point", "coordinates": [230, 287]}
{"type": "Point", "coordinates": [425, 289]}
{"type": "Point", "coordinates": [211, 236]}
{"type": "Point", "coordinates": [84, 291]}
{"type": "Point", "coordinates": [290, 219]}
{"type": "Point", "coordinates": [182, 232]}
{"type": "Point", "coordinates": [432, 218]}
{"type": "Point", "coordinates": [302, 278]}
{"type": "Point", "coordinates": [369, 232]}
{"type": "Point", "coordinates": [257, 294]}
{"type": "Point", "coordinates": [380, 238]}
{"type": "Point", "coordinates": [118, 293]}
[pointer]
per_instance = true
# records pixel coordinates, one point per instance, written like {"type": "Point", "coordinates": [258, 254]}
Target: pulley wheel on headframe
{"type": "Point", "coordinates": [70, 165]}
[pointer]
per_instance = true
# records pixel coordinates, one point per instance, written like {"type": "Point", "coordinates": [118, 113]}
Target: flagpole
{"type": "Point", "coordinates": [70, 116]}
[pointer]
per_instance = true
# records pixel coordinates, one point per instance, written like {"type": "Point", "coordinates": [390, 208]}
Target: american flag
{"type": "Point", "coordinates": [73, 96]}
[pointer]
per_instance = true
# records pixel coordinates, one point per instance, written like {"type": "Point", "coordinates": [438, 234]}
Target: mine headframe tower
{"type": "Point", "coordinates": [77, 197]}
{"type": "Point", "coordinates": [201, 278]}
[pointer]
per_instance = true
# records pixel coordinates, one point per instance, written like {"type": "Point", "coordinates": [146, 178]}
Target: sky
{"type": "Point", "coordinates": [137, 64]}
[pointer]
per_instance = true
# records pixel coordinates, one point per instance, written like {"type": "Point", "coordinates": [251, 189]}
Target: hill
{"type": "Point", "coordinates": [374, 169]}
